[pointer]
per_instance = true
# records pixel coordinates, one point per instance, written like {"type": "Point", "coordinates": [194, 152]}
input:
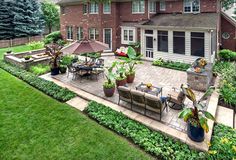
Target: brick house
{"type": "Point", "coordinates": [179, 30]}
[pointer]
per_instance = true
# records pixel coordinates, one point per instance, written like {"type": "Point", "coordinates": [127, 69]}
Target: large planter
{"type": "Point", "coordinates": [109, 92]}
{"type": "Point", "coordinates": [63, 69]}
{"type": "Point", "coordinates": [121, 82]}
{"type": "Point", "coordinates": [195, 133]}
{"type": "Point", "coordinates": [130, 78]}
{"type": "Point", "coordinates": [55, 71]}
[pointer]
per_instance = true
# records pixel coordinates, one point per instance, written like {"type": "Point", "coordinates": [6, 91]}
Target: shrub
{"type": "Point", "coordinates": [153, 142]}
{"type": "Point", "coordinates": [227, 55]}
{"type": "Point", "coordinates": [35, 45]}
{"type": "Point", "coordinates": [49, 88]}
{"type": "Point", "coordinates": [66, 60]}
{"type": "Point", "coordinates": [223, 144]}
{"type": "Point", "coordinates": [54, 37]}
{"type": "Point", "coordinates": [172, 65]}
{"type": "Point", "coordinates": [39, 69]}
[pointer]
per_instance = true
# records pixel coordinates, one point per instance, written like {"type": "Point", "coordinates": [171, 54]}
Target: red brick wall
{"type": "Point", "coordinates": [226, 26]}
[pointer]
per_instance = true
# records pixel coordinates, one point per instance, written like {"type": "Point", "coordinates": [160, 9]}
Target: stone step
{"type": "Point", "coordinates": [78, 103]}
{"type": "Point", "coordinates": [224, 116]}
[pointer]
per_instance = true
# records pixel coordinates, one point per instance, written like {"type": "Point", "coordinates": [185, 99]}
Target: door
{"type": "Point", "coordinates": [107, 37]}
{"type": "Point", "coordinates": [149, 47]}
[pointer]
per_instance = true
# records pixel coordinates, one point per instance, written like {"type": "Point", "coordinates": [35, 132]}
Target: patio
{"type": "Point", "coordinates": [146, 73]}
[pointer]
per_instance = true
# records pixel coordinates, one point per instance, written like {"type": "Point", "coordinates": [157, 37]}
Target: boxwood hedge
{"type": "Point", "coordinates": [49, 88]}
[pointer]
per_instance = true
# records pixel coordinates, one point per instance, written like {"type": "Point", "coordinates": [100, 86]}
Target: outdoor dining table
{"type": "Point", "coordinates": [152, 90]}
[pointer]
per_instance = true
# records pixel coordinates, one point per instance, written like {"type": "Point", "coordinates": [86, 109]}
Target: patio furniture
{"type": "Point", "coordinates": [100, 63]}
{"type": "Point", "coordinates": [154, 104]}
{"type": "Point", "coordinates": [176, 99]}
{"type": "Point", "coordinates": [124, 95]}
{"type": "Point", "coordinates": [71, 70]}
{"type": "Point", "coordinates": [153, 90]}
{"type": "Point", "coordinates": [96, 72]}
{"type": "Point", "coordinates": [138, 99]}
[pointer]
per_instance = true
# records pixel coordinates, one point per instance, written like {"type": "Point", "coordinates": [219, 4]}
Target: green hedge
{"type": "Point", "coordinates": [163, 147]}
{"type": "Point", "coordinates": [49, 88]}
{"type": "Point", "coordinates": [227, 55]}
{"type": "Point", "coordinates": [172, 65]}
{"type": "Point", "coordinates": [222, 146]}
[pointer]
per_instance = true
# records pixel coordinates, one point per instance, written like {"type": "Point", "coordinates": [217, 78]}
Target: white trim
{"type": "Point", "coordinates": [104, 38]}
{"type": "Point", "coordinates": [96, 5]}
{"type": "Point", "coordinates": [162, 9]}
{"type": "Point", "coordinates": [138, 12]}
{"type": "Point", "coordinates": [192, 7]}
{"type": "Point", "coordinates": [104, 9]}
{"type": "Point", "coordinates": [128, 29]}
{"type": "Point", "coordinates": [155, 6]}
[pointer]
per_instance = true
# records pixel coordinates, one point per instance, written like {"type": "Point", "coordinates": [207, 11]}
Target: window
{"type": "Point", "coordinates": [162, 41]}
{"type": "Point", "coordinates": [79, 33]}
{"type": "Point", "coordinates": [191, 6]}
{"type": "Point", "coordinates": [225, 35]}
{"type": "Point", "coordinates": [197, 44]}
{"type": "Point", "coordinates": [128, 35]}
{"type": "Point", "coordinates": [152, 6]}
{"type": "Point", "coordinates": [162, 5]}
{"type": "Point", "coordinates": [93, 34]}
{"type": "Point", "coordinates": [107, 8]}
{"type": "Point", "coordinates": [62, 10]}
{"type": "Point", "coordinates": [69, 30]}
{"type": "Point", "coordinates": [179, 42]}
{"type": "Point", "coordinates": [93, 9]}
{"type": "Point", "coordinates": [138, 6]}
{"type": "Point", "coordinates": [85, 8]}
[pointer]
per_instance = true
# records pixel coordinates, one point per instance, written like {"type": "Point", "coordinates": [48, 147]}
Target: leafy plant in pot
{"type": "Point", "coordinates": [196, 117]}
{"type": "Point", "coordinates": [109, 84]}
{"type": "Point", "coordinates": [64, 62]}
{"type": "Point", "coordinates": [131, 61]}
{"type": "Point", "coordinates": [121, 79]}
{"type": "Point", "coordinates": [54, 50]}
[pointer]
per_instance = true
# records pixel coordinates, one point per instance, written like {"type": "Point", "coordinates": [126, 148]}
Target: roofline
{"type": "Point", "coordinates": [227, 17]}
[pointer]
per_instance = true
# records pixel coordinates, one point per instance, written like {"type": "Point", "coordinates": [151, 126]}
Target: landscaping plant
{"type": "Point", "coordinates": [39, 69]}
{"type": "Point", "coordinates": [109, 84]}
{"type": "Point", "coordinates": [35, 45]}
{"type": "Point", "coordinates": [227, 55]}
{"type": "Point", "coordinates": [64, 62]}
{"type": "Point", "coordinates": [172, 65]}
{"type": "Point", "coordinates": [121, 79]}
{"type": "Point", "coordinates": [196, 117]}
{"type": "Point", "coordinates": [54, 37]}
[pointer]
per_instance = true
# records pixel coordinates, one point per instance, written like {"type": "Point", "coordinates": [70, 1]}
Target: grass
{"type": "Point", "coordinates": [16, 49]}
{"type": "Point", "coordinates": [35, 126]}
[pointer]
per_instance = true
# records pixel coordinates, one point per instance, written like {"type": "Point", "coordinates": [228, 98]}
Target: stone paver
{"type": "Point", "coordinates": [78, 103]}
{"type": "Point", "coordinates": [224, 116]}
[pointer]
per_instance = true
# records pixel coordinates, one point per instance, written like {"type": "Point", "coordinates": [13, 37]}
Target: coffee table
{"type": "Point", "coordinates": [153, 90]}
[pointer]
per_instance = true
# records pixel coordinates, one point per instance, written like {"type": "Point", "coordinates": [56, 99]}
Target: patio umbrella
{"type": "Point", "coordinates": [85, 46]}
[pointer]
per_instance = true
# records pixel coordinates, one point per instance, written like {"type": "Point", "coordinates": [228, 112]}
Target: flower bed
{"type": "Point", "coordinates": [49, 88]}
{"type": "Point", "coordinates": [172, 65]}
{"type": "Point", "coordinates": [222, 146]}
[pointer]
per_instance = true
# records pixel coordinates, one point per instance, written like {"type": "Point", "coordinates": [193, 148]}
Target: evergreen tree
{"type": "Point", "coordinates": [6, 18]}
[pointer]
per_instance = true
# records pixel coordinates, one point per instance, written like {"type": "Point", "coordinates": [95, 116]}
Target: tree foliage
{"type": "Point", "coordinates": [51, 14]}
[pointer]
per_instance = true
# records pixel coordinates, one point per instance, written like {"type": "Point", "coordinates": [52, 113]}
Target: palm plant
{"type": "Point", "coordinates": [197, 116]}
{"type": "Point", "coordinates": [54, 50]}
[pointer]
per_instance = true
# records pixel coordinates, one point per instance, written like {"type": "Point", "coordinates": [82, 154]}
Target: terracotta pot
{"type": "Point", "coordinates": [130, 78]}
{"type": "Point", "coordinates": [121, 82]}
{"type": "Point", "coordinates": [109, 92]}
{"type": "Point", "coordinates": [195, 133]}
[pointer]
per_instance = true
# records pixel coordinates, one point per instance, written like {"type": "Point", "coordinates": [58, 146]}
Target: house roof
{"type": "Point", "coordinates": [200, 21]}
{"type": "Point", "coordinates": [228, 14]}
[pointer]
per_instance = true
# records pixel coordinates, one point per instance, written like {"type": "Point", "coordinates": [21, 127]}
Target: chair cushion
{"type": "Point", "coordinates": [157, 110]}
{"type": "Point", "coordinates": [124, 93]}
{"type": "Point", "coordinates": [138, 98]}
{"type": "Point", "coordinates": [153, 102]}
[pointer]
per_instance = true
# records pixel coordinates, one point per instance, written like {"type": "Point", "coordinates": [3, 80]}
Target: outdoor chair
{"type": "Point", "coordinates": [100, 63]}
{"type": "Point", "coordinates": [176, 99]}
{"type": "Point", "coordinates": [96, 72]}
{"type": "Point", "coordinates": [138, 99]}
{"type": "Point", "coordinates": [71, 70]}
{"type": "Point", "coordinates": [154, 104]}
{"type": "Point", "coordinates": [124, 95]}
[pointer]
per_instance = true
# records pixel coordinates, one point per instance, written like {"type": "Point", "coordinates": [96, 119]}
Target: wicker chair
{"type": "Point", "coordinates": [138, 99]}
{"type": "Point", "coordinates": [176, 99]}
{"type": "Point", "coordinates": [124, 95]}
{"type": "Point", "coordinates": [71, 70]}
{"type": "Point", "coordinates": [154, 104]}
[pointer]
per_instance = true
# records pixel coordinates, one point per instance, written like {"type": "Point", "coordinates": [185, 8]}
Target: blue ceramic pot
{"type": "Point", "coordinates": [195, 133]}
{"type": "Point", "coordinates": [55, 71]}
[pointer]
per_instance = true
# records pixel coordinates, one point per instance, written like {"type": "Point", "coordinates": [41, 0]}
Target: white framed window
{"type": "Point", "coordinates": [69, 30]}
{"type": "Point", "coordinates": [93, 8]}
{"type": "Point", "coordinates": [106, 8]}
{"type": "Point", "coordinates": [152, 6]}
{"type": "Point", "coordinates": [85, 8]}
{"type": "Point", "coordinates": [191, 6]}
{"type": "Point", "coordinates": [93, 34]}
{"type": "Point", "coordinates": [162, 5]}
{"type": "Point", "coordinates": [80, 33]}
{"type": "Point", "coordinates": [138, 6]}
{"type": "Point", "coordinates": [128, 35]}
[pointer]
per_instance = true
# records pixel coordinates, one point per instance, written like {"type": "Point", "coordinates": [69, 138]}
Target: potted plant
{"type": "Point", "coordinates": [109, 85]}
{"type": "Point", "coordinates": [121, 79]}
{"type": "Point", "coordinates": [131, 61]}
{"type": "Point", "coordinates": [64, 62]}
{"type": "Point", "coordinates": [27, 57]}
{"type": "Point", "coordinates": [54, 50]}
{"type": "Point", "coordinates": [196, 117]}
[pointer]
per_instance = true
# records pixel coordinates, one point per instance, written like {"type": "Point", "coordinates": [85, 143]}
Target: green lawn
{"type": "Point", "coordinates": [35, 126]}
{"type": "Point", "coordinates": [15, 49]}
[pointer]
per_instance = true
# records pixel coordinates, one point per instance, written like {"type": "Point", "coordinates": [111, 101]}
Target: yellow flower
{"type": "Point", "coordinates": [224, 140]}
{"type": "Point", "coordinates": [209, 144]}
{"type": "Point", "coordinates": [212, 152]}
{"type": "Point", "coordinates": [234, 148]}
